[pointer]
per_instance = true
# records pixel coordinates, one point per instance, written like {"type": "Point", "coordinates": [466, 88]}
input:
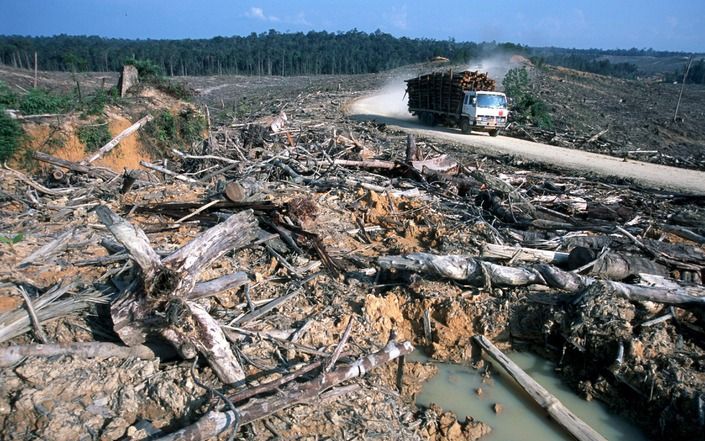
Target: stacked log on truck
{"type": "Point", "coordinates": [444, 91]}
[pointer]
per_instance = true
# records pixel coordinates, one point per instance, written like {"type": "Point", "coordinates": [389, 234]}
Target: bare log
{"type": "Point", "coordinates": [561, 414]}
{"type": "Point", "coordinates": [158, 305]}
{"type": "Point", "coordinates": [13, 354]}
{"type": "Point", "coordinates": [237, 231]}
{"type": "Point", "coordinates": [216, 286]}
{"type": "Point", "coordinates": [55, 246]}
{"type": "Point", "coordinates": [477, 272]}
{"type": "Point", "coordinates": [372, 163]}
{"type": "Point", "coordinates": [505, 252]}
{"type": "Point", "coordinates": [214, 423]}
{"type": "Point", "coordinates": [115, 141]}
{"type": "Point", "coordinates": [166, 171]}
{"type": "Point", "coordinates": [96, 172]}
{"type": "Point", "coordinates": [133, 239]}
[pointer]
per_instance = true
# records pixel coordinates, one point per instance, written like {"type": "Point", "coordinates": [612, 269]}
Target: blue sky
{"type": "Point", "coordinates": [607, 24]}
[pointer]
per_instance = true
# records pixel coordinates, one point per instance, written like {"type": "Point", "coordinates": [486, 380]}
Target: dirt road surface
{"type": "Point", "coordinates": [649, 175]}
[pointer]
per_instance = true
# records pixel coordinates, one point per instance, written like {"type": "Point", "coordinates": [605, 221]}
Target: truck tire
{"type": "Point", "coordinates": [465, 126]}
{"type": "Point", "coordinates": [427, 118]}
{"type": "Point", "coordinates": [494, 132]}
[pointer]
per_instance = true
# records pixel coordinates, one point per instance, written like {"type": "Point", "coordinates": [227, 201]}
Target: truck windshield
{"type": "Point", "coordinates": [491, 101]}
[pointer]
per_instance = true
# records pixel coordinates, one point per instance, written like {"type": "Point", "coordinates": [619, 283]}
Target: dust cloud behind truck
{"type": "Point", "coordinates": [463, 99]}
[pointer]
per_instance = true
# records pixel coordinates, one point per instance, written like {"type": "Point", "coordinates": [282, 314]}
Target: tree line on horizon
{"type": "Point", "coordinates": [286, 54]}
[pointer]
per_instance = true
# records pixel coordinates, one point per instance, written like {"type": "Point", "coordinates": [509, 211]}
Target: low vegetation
{"type": "Point", "coordinates": [526, 107]}
{"type": "Point", "coordinates": [153, 75]}
{"type": "Point", "coordinates": [167, 130]}
{"type": "Point", "coordinates": [94, 136]}
{"type": "Point", "coordinates": [11, 135]}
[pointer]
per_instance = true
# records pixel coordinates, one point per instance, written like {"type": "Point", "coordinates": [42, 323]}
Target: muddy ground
{"type": "Point", "coordinates": [658, 381]}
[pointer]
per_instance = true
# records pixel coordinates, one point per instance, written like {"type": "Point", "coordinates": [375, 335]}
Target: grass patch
{"type": "Point", "coordinates": [94, 136]}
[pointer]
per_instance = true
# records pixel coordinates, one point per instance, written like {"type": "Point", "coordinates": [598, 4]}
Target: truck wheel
{"type": "Point", "coordinates": [465, 126]}
{"type": "Point", "coordinates": [494, 132]}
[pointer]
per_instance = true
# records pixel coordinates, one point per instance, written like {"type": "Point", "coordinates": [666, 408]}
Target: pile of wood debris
{"type": "Point", "coordinates": [281, 262]}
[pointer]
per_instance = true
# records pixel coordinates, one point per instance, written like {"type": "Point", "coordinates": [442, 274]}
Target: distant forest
{"type": "Point", "coordinates": [275, 53]}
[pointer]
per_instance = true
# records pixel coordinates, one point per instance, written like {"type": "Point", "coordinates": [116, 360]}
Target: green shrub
{"type": "Point", "coordinates": [94, 136]}
{"type": "Point", "coordinates": [147, 69]}
{"type": "Point", "coordinates": [526, 107]}
{"type": "Point", "coordinates": [516, 83]}
{"type": "Point", "coordinates": [39, 101]}
{"type": "Point", "coordinates": [153, 74]}
{"type": "Point", "coordinates": [167, 130]}
{"type": "Point", "coordinates": [95, 104]}
{"type": "Point", "coordinates": [8, 98]}
{"type": "Point", "coordinates": [11, 135]}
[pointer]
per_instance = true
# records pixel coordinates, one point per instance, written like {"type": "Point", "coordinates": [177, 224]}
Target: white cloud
{"type": "Point", "coordinates": [258, 13]}
{"type": "Point", "coordinates": [399, 17]}
{"type": "Point", "coordinates": [299, 19]}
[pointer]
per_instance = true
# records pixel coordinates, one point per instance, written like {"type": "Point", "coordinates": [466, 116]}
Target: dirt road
{"type": "Point", "coordinates": [649, 175]}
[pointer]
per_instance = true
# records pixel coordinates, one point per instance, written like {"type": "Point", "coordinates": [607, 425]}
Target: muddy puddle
{"type": "Point", "coordinates": [464, 391]}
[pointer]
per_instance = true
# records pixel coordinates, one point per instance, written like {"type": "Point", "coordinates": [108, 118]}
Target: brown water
{"type": "Point", "coordinates": [454, 388]}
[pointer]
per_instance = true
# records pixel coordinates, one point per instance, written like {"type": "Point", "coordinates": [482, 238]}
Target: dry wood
{"type": "Point", "coordinates": [561, 414]}
{"type": "Point", "coordinates": [13, 354]}
{"type": "Point", "coordinates": [96, 172]}
{"type": "Point", "coordinates": [470, 270]}
{"type": "Point", "coordinates": [214, 423]}
{"type": "Point", "coordinates": [165, 285]}
{"type": "Point", "coordinates": [55, 246]}
{"type": "Point", "coordinates": [168, 172]}
{"type": "Point", "coordinates": [504, 252]}
{"type": "Point", "coordinates": [115, 141]}
{"type": "Point", "coordinates": [36, 324]}
{"type": "Point", "coordinates": [388, 165]}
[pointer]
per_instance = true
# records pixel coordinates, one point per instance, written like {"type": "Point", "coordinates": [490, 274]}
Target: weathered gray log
{"type": "Point", "coordinates": [474, 271]}
{"type": "Point", "coordinates": [157, 304]}
{"type": "Point", "coordinates": [370, 163]}
{"type": "Point", "coordinates": [168, 172]}
{"type": "Point", "coordinates": [216, 286]}
{"type": "Point", "coordinates": [115, 141]}
{"type": "Point", "coordinates": [12, 354]}
{"type": "Point", "coordinates": [49, 306]}
{"type": "Point", "coordinates": [561, 414]}
{"type": "Point", "coordinates": [505, 252]}
{"type": "Point", "coordinates": [134, 240]}
{"type": "Point", "coordinates": [55, 246]}
{"type": "Point", "coordinates": [214, 423]}
{"type": "Point", "coordinates": [616, 266]}
{"type": "Point", "coordinates": [96, 172]}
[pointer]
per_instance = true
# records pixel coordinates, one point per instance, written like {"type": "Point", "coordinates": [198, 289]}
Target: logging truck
{"type": "Point", "coordinates": [467, 100]}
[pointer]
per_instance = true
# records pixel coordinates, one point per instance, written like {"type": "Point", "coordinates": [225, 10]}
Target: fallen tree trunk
{"type": "Point", "coordinates": [115, 141]}
{"type": "Point", "coordinates": [479, 273]}
{"type": "Point", "coordinates": [561, 414]}
{"type": "Point", "coordinates": [613, 266]}
{"type": "Point", "coordinates": [157, 303]}
{"type": "Point", "coordinates": [95, 172]}
{"type": "Point", "coordinates": [12, 354]}
{"type": "Point", "coordinates": [505, 252]}
{"type": "Point", "coordinates": [214, 423]}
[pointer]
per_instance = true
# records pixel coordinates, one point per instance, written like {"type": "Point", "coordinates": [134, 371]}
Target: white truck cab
{"type": "Point", "coordinates": [484, 111]}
